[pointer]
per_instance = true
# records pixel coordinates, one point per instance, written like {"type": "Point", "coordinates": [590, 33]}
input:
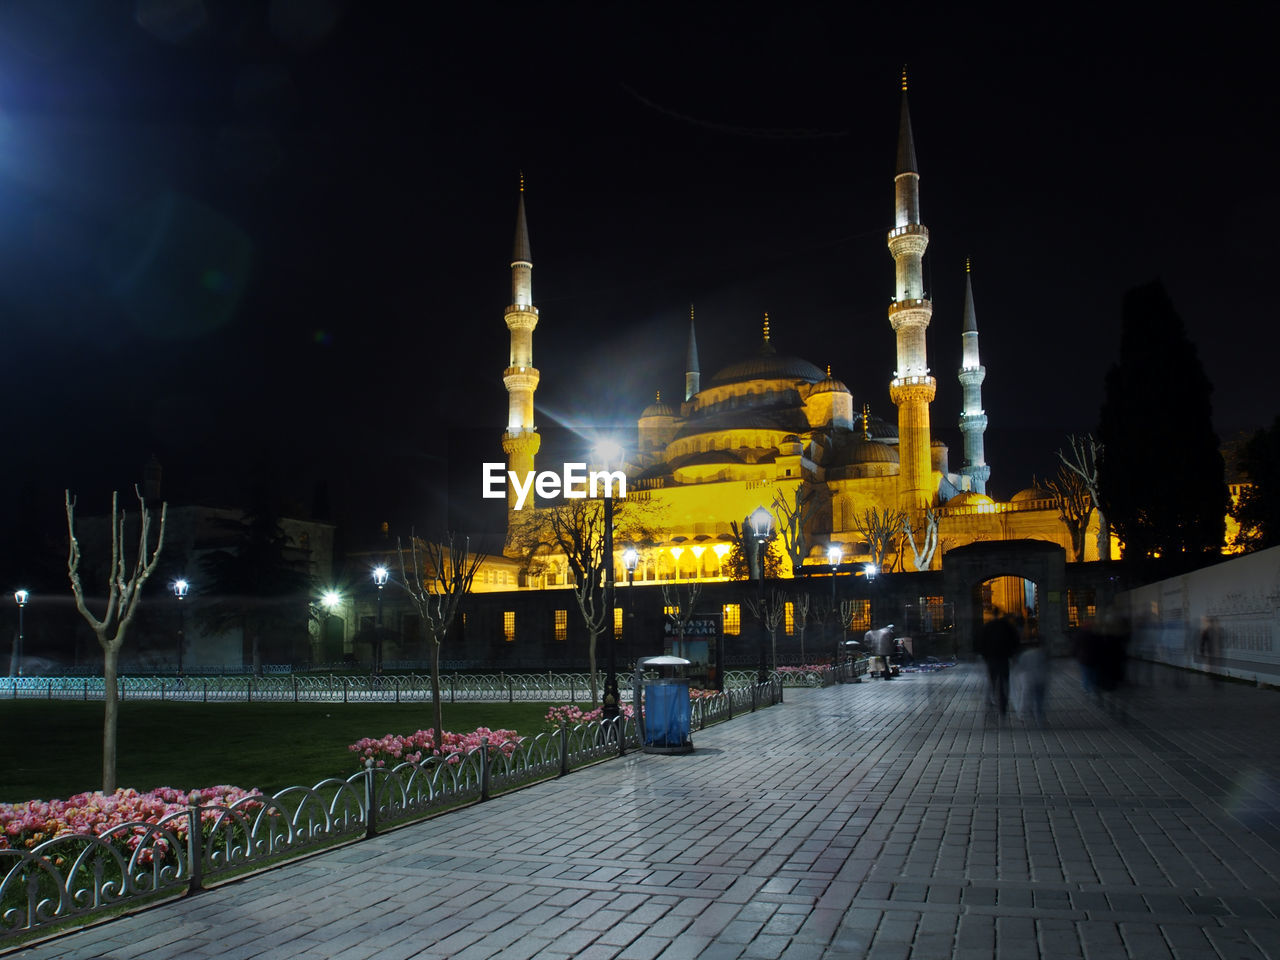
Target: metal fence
{"type": "Point", "coordinates": [387, 688]}
{"type": "Point", "coordinates": [74, 877]}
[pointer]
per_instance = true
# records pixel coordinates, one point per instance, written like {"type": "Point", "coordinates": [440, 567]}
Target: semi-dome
{"type": "Point", "coordinates": [872, 451]}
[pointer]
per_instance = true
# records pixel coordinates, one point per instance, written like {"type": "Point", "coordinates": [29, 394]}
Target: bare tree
{"type": "Point", "coordinates": [739, 563]}
{"type": "Point", "coordinates": [575, 529]}
{"type": "Point", "coordinates": [882, 528]}
{"type": "Point", "coordinates": [802, 603]}
{"type": "Point", "coordinates": [1083, 461]}
{"type": "Point", "coordinates": [770, 610]}
{"type": "Point", "coordinates": [440, 576]}
{"type": "Point", "coordinates": [680, 602]}
{"type": "Point", "coordinates": [793, 517]}
{"type": "Point", "coordinates": [124, 592]}
{"type": "Point", "coordinates": [923, 555]}
{"type": "Point", "coordinates": [1074, 503]}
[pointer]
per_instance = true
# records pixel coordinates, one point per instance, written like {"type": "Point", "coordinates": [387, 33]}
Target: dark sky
{"type": "Point", "coordinates": [272, 239]}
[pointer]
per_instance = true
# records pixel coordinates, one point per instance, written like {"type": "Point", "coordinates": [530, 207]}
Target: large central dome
{"type": "Point", "coordinates": [767, 365]}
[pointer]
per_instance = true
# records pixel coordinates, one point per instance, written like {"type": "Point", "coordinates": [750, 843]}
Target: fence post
{"type": "Point", "coordinates": [86, 691]}
{"type": "Point", "coordinates": [755, 692]}
{"type": "Point", "coordinates": [370, 801]}
{"type": "Point", "coordinates": [195, 845]}
{"type": "Point", "coordinates": [248, 689]}
{"type": "Point", "coordinates": [295, 688]}
{"type": "Point", "coordinates": [50, 689]}
{"type": "Point", "coordinates": [453, 689]}
{"type": "Point", "coordinates": [344, 689]}
{"type": "Point", "coordinates": [397, 683]}
{"type": "Point", "coordinates": [778, 681]}
{"type": "Point", "coordinates": [484, 768]}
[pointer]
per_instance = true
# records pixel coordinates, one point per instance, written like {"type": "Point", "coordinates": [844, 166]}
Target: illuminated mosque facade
{"type": "Point", "coordinates": [757, 431]}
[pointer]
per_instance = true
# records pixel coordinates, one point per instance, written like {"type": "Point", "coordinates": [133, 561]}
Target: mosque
{"type": "Point", "coordinates": [772, 428]}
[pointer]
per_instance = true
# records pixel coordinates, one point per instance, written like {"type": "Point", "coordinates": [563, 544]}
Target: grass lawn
{"type": "Point", "coordinates": [54, 749]}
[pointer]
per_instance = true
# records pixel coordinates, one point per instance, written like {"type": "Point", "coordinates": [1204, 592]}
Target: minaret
{"type": "Point", "coordinates": [912, 388]}
{"type": "Point", "coordinates": [692, 376]}
{"type": "Point", "coordinates": [521, 440]}
{"type": "Point", "coordinates": [973, 420]}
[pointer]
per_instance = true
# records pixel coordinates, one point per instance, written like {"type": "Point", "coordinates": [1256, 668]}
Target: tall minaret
{"type": "Point", "coordinates": [973, 419]}
{"type": "Point", "coordinates": [692, 376]}
{"type": "Point", "coordinates": [521, 440]}
{"type": "Point", "coordinates": [912, 388]}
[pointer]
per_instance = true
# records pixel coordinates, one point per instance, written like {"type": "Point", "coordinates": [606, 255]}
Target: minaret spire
{"type": "Point", "coordinates": [912, 389]}
{"type": "Point", "coordinates": [521, 441]}
{"type": "Point", "coordinates": [692, 374]}
{"type": "Point", "coordinates": [973, 419]}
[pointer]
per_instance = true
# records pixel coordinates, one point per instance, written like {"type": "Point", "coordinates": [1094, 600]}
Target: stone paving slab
{"type": "Point", "coordinates": [881, 819]}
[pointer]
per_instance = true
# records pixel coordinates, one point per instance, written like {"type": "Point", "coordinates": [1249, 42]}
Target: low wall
{"type": "Point", "coordinates": [1237, 602]}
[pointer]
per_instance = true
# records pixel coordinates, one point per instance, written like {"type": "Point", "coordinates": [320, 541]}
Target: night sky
{"type": "Point", "coordinates": [271, 240]}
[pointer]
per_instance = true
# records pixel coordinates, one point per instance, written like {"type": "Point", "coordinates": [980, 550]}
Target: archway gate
{"type": "Point", "coordinates": [1043, 563]}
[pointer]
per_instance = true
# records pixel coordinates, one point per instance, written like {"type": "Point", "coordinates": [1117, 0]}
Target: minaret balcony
{"type": "Point", "coordinates": [909, 229]}
{"type": "Point", "coordinates": [912, 310]}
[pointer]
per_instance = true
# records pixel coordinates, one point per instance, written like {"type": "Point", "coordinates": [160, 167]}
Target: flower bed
{"type": "Point", "coordinates": [571, 714]}
{"type": "Point", "coordinates": [24, 825]}
{"type": "Point", "coordinates": [396, 748]}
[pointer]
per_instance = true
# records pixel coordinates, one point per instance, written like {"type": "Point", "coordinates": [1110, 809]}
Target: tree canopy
{"type": "Point", "coordinates": [1161, 472]}
{"type": "Point", "coordinates": [1258, 510]}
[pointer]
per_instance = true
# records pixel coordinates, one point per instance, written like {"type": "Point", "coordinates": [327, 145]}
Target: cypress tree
{"type": "Point", "coordinates": [1161, 474]}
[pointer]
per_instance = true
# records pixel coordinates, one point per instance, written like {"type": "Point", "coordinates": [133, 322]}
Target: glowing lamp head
{"type": "Point", "coordinates": [20, 597]}
{"type": "Point", "coordinates": [607, 453]}
{"type": "Point", "coordinates": [180, 588]}
{"type": "Point", "coordinates": [834, 553]}
{"type": "Point", "coordinates": [630, 559]}
{"type": "Point", "coordinates": [761, 521]}
{"type": "Point", "coordinates": [871, 571]}
{"type": "Point", "coordinates": [380, 576]}
{"type": "Point", "coordinates": [330, 600]}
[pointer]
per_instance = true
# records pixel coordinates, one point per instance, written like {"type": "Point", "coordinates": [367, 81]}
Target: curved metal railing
{"type": "Point", "coordinates": [338, 688]}
{"type": "Point", "coordinates": [73, 876]}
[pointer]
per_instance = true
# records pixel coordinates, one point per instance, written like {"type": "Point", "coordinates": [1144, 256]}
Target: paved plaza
{"type": "Point", "coordinates": [877, 819]}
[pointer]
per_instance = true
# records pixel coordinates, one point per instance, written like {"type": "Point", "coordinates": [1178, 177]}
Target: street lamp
{"type": "Point", "coordinates": [630, 560]}
{"type": "Point", "coordinates": [607, 453]}
{"type": "Point", "coordinates": [180, 588]}
{"type": "Point", "coordinates": [871, 571]}
{"type": "Point", "coordinates": [20, 597]}
{"type": "Point", "coordinates": [380, 578]}
{"type": "Point", "coordinates": [834, 555]}
{"type": "Point", "coordinates": [761, 522]}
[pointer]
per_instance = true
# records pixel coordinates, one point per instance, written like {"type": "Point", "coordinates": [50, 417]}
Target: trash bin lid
{"type": "Point", "coordinates": [665, 661]}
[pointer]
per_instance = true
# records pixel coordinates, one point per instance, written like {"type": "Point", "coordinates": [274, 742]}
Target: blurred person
{"type": "Point", "coordinates": [997, 644]}
{"type": "Point", "coordinates": [1033, 679]}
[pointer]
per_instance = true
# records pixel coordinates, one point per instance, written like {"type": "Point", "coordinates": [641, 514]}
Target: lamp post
{"type": "Point", "coordinates": [834, 554]}
{"type": "Point", "coordinates": [607, 453]}
{"type": "Point", "coordinates": [630, 560]}
{"type": "Point", "coordinates": [180, 588]}
{"type": "Point", "coordinates": [380, 579]}
{"type": "Point", "coordinates": [761, 521]}
{"type": "Point", "coordinates": [20, 597]}
{"type": "Point", "coordinates": [871, 571]}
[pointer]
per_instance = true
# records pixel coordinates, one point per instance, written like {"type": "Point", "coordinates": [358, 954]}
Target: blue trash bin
{"type": "Point", "coordinates": [667, 716]}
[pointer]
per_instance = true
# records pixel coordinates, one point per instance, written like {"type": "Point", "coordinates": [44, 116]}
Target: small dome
{"type": "Point", "coordinates": [872, 451]}
{"type": "Point", "coordinates": [1031, 493]}
{"type": "Point", "coordinates": [658, 408]}
{"type": "Point", "coordinates": [937, 443]}
{"type": "Point", "coordinates": [970, 498]}
{"type": "Point", "coordinates": [830, 384]}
